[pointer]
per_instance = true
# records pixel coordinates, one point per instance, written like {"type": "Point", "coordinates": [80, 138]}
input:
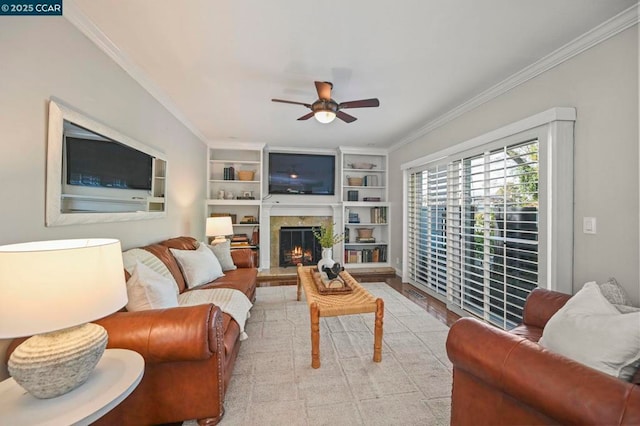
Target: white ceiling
{"type": "Point", "coordinates": [218, 64]}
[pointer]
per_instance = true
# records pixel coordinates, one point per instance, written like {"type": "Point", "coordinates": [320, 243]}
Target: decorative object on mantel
{"type": "Point", "coordinates": [36, 280]}
{"type": "Point", "coordinates": [327, 240]}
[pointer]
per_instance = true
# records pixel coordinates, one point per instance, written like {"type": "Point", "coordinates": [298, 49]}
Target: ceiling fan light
{"type": "Point", "coordinates": [325, 116]}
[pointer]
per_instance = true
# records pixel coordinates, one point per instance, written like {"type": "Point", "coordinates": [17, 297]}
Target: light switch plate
{"type": "Point", "coordinates": [589, 225]}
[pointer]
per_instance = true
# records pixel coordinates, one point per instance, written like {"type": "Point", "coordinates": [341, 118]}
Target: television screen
{"type": "Point", "coordinates": [108, 164]}
{"type": "Point", "coordinates": [309, 174]}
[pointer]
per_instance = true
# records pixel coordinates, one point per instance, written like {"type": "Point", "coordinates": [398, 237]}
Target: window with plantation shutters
{"type": "Point", "coordinates": [428, 241]}
{"type": "Point", "coordinates": [493, 209]}
{"type": "Point", "coordinates": [488, 224]}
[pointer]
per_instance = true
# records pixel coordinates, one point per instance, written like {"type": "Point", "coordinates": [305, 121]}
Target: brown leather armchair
{"type": "Point", "coordinates": [506, 378]}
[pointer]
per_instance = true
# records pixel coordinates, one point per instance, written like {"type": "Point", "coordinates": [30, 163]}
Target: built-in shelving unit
{"type": "Point", "coordinates": [230, 188]}
{"type": "Point", "coordinates": [365, 207]}
{"type": "Point", "coordinates": [360, 213]}
{"type": "Point", "coordinates": [156, 203]}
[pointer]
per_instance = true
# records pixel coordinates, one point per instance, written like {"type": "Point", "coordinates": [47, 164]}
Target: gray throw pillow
{"type": "Point", "coordinates": [614, 293]}
{"type": "Point", "coordinates": [223, 253]}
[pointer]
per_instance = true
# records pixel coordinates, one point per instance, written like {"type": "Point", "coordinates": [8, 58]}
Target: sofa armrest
{"type": "Point", "coordinates": [243, 258]}
{"type": "Point", "coordinates": [540, 306]}
{"type": "Point", "coordinates": [167, 335]}
{"type": "Point", "coordinates": [562, 389]}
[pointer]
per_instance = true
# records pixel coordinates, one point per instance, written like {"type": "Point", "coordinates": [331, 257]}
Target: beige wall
{"type": "Point", "coordinates": [602, 84]}
{"type": "Point", "coordinates": [44, 57]}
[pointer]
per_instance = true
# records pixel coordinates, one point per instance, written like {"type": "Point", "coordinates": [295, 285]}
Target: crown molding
{"type": "Point", "coordinates": [545, 117]}
{"type": "Point", "coordinates": [74, 14]}
{"type": "Point", "coordinates": [602, 32]}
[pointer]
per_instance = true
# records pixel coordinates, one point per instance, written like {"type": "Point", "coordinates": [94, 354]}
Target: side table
{"type": "Point", "coordinates": [117, 374]}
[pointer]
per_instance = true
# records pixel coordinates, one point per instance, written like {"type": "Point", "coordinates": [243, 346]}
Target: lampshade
{"type": "Point", "coordinates": [325, 116]}
{"type": "Point", "coordinates": [52, 289]}
{"type": "Point", "coordinates": [52, 285]}
{"type": "Point", "coordinates": [219, 227]}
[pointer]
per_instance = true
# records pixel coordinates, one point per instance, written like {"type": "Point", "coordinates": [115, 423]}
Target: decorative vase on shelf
{"type": "Point", "coordinates": [327, 254]}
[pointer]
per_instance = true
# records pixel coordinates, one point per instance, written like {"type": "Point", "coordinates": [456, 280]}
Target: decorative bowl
{"type": "Point", "coordinates": [362, 166]}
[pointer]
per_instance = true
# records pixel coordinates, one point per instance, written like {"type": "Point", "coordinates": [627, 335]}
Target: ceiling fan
{"type": "Point", "coordinates": [325, 109]}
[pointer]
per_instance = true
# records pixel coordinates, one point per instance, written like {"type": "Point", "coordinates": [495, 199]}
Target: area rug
{"type": "Point", "coordinates": [273, 382]}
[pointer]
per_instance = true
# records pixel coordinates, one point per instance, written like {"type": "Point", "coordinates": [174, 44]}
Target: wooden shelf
{"type": "Point", "coordinates": [256, 162]}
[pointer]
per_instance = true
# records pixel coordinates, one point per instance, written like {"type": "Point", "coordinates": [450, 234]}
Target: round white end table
{"type": "Point", "coordinates": [117, 374]}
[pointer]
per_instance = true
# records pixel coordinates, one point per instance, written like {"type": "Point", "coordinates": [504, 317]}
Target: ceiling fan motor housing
{"type": "Point", "coordinates": [324, 105]}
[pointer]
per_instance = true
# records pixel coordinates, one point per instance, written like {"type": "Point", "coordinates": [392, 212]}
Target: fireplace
{"type": "Point", "coordinates": [298, 245]}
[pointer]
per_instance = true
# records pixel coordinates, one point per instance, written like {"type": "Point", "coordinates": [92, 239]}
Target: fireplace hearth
{"type": "Point", "coordinates": [298, 245]}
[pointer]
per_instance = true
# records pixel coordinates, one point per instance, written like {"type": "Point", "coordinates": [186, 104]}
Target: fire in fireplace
{"type": "Point", "coordinates": [298, 245]}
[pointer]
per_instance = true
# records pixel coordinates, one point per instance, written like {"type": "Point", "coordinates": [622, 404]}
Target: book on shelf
{"type": "Point", "coordinates": [370, 198]}
{"type": "Point", "coordinates": [378, 215]}
{"type": "Point", "coordinates": [369, 255]}
{"type": "Point", "coordinates": [229, 173]}
{"type": "Point", "coordinates": [239, 238]}
{"type": "Point", "coordinates": [365, 240]}
{"type": "Point", "coordinates": [370, 180]}
{"type": "Point", "coordinates": [240, 244]}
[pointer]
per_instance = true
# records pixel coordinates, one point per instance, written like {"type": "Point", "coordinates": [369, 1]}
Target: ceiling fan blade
{"type": "Point", "coordinates": [306, 116]}
{"type": "Point", "coordinates": [324, 89]}
{"type": "Point", "coordinates": [291, 102]}
{"type": "Point", "coordinates": [345, 117]}
{"type": "Point", "coordinates": [363, 103]}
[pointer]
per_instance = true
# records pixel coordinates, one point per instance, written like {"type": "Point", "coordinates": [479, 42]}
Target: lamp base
{"type": "Point", "coordinates": [218, 240]}
{"type": "Point", "coordinates": [52, 364]}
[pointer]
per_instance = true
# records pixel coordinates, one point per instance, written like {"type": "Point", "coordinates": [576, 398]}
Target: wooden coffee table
{"type": "Point", "coordinates": [359, 301]}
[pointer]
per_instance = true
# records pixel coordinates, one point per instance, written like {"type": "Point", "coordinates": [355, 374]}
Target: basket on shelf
{"type": "Point", "coordinates": [246, 174]}
{"type": "Point", "coordinates": [365, 232]}
{"type": "Point", "coordinates": [354, 181]}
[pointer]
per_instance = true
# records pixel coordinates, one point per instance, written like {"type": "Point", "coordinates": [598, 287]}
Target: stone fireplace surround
{"type": "Point", "coordinates": [273, 216]}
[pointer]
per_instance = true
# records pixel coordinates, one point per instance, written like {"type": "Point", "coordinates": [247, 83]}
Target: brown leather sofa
{"type": "Point", "coordinates": [506, 378]}
{"type": "Point", "coordinates": [189, 352]}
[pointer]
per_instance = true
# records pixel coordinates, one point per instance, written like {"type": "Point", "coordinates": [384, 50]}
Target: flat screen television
{"type": "Point", "coordinates": [106, 164]}
{"type": "Point", "coordinates": [308, 174]}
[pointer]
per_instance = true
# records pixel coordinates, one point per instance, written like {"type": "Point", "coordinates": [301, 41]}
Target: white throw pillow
{"type": "Point", "coordinates": [222, 251]}
{"type": "Point", "coordinates": [590, 330]}
{"type": "Point", "coordinates": [147, 289]}
{"type": "Point", "coordinates": [198, 266]}
{"type": "Point", "coordinates": [131, 257]}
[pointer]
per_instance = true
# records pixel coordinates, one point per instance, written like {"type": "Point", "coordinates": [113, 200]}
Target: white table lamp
{"type": "Point", "coordinates": [219, 227]}
{"type": "Point", "coordinates": [52, 289]}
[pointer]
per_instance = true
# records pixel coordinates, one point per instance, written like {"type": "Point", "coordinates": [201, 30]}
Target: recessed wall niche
{"type": "Point", "coordinates": [96, 174]}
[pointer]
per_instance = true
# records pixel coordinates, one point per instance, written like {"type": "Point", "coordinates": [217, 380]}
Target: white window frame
{"type": "Point", "coordinates": [554, 129]}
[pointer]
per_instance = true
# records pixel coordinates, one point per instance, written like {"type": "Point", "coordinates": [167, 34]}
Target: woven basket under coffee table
{"type": "Point", "coordinates": [359, 301]}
